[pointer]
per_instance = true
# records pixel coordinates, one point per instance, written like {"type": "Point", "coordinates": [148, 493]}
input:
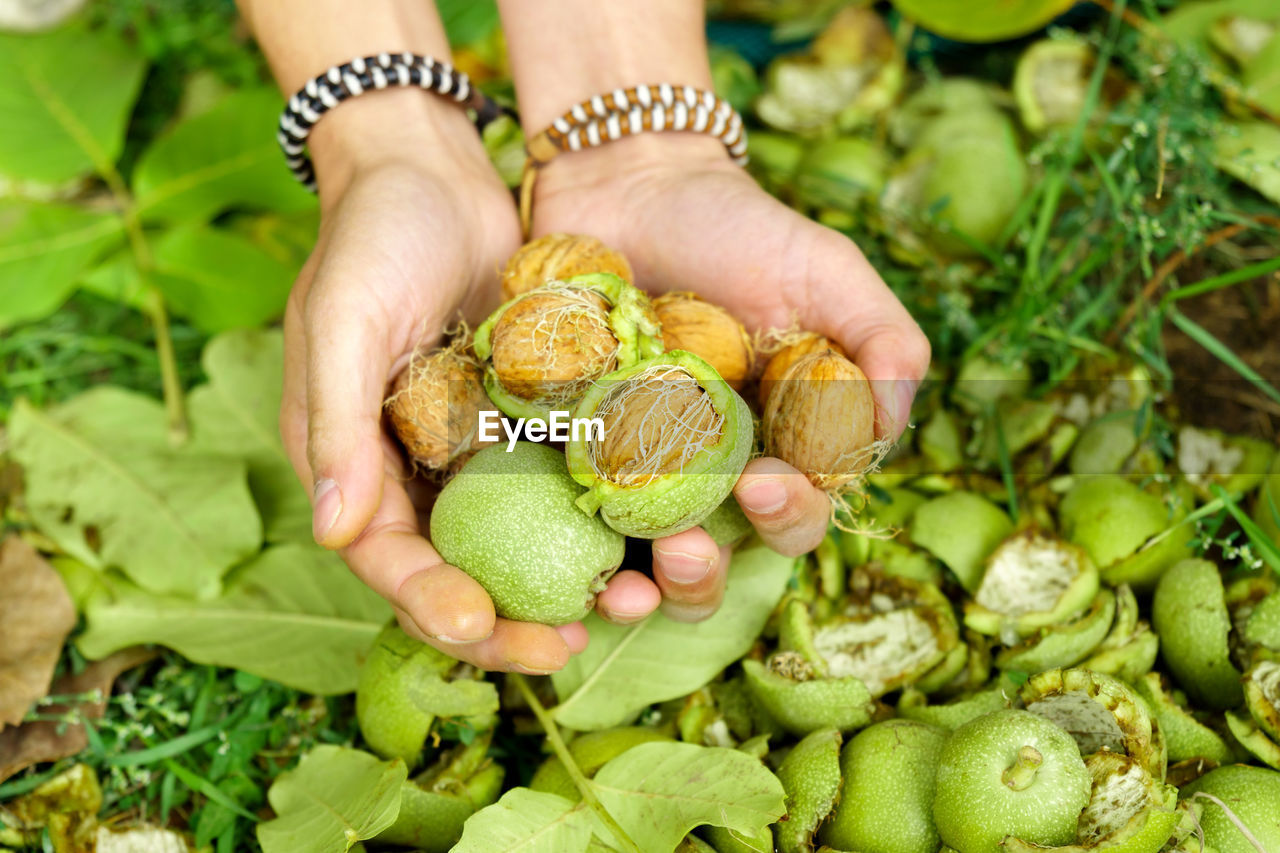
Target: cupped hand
{"type": "Point", "coordinates": [405, 244]}
{"type": "Point", "coordinates": [688, 219]}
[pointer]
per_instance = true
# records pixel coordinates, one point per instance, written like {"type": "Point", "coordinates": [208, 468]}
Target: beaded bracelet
{"type": "Point", "coordinates": [323, 93]}
{"type": "Point", "coordinates": [627, 111]}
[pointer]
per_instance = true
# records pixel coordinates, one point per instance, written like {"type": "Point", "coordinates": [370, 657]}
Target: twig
{"type": "Point", "coordinates": [1176, 260]}
{"type": "Point", "coordinates": [575, 773]}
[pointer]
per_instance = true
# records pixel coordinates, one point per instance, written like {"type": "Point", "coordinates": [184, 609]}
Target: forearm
{"type": "Point", "coordinates": [564, 51]}
{"type": "Point", "coordinates": [302, 38]}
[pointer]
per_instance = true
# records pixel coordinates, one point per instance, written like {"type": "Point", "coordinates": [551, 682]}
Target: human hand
{"type": "Point", "coordinates": [688, 219]}
{"type": "Point", "coordinates": [414, 227]}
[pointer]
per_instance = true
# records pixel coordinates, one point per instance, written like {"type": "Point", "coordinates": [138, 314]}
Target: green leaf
{"type": "Point", "coordinates": [659, 791]}
{"type": "Point", "coordinates": [982, 22]}
{"type": "Point", "coordinates": [626, 668]}
{"type": "Point", "coordinates": [334, 798]}
{"type": "Point", "coordinates": [224, 157]}
{"type": "Point", "coordinates": [236, 413]}
{"type": "Point", "coordinates": [529, 822]}
{"type": "Point", "coordinates": [1250, 152]}
{"type": "Point", "coordinates": [117, 278]}
{"type": "Point", "coordinates": [66, 99]}
{"type": "Point", "coordinates": [174, 521]}
{"type": "Point", "coordinates": [467, 21]}
{"type": "Point", "coordinates": [294, 614]}
{"type": "Point", "coordinates": [220, 280]}
{"type": "Point", "coordinates": [44, 248]}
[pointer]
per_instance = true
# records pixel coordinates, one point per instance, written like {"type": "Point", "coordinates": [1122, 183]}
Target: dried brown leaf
{"type": "Point", "coordinates": [31, 743]}
{"type": "Point", "coordinates": [36, 614]}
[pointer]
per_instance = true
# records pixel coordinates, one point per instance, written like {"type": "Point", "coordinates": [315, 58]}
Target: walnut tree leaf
{"type": "Point", "coordinates": [526, 821]}
{"type": "Point", "coordinates": [659, 791]}
{"type": "Point", "coordinates": [626, 668]}
{"type": "Point", "coordinates": [173, 520]}
{"type": "Point", "coordinates": [333, 799]}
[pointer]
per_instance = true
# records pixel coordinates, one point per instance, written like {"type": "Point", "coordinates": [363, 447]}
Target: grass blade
{"type": "Point", "coordinates": [1224, 354]}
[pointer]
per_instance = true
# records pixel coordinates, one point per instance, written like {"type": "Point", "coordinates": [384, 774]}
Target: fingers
{"type": "Point", "coordinates": [512, 647]}
{"type": "Point", "coordinates": [629, 598]}
{"type": "Point", "coordinates": [788, 512]}
{"type": "Point", "coordinates": [442, 601]}
{"type": "Point", "coordinates": [346, 378]}
{"type": "Point", "coordinates": [689, 568]}
{"type": "Point", "coordinates": [877, 331]}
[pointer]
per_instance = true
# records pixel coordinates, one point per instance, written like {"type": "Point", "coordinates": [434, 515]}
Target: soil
{"type": "Point", "coordinates": [1207, 392]}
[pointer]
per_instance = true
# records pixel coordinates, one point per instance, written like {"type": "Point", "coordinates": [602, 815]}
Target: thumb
{"type": "Point", "coordinates": [346, 379]}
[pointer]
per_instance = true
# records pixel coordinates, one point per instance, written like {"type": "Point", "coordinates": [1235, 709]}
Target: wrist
{"type": "Point", "coordinates": [632, 158]}
{"type": "Point", "coordinates": [394, 126]}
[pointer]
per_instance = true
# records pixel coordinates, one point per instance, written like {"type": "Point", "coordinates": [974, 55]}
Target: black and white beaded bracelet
{"type": "Point", "coordinates": [366, 73]}
{"type": "Point", "coordinates": [637, 109]}
{"type": "Point", "coordinates": [627, 111]}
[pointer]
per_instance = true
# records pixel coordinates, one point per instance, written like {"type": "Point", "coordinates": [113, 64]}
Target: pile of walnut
{"type": "Point", "coordinates": [814, 405]}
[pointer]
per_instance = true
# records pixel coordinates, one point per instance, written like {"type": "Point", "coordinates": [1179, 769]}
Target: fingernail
{"type": "Point", "coordinates": [763, 496]}
{"type": "Point", "coordinates": [904, 395]}
{"type": "Point", "coordinates": [680, 567]}
{"type": "Point", "coordinates": [519, 667]}
{"type": "Point", "coordinates": [327, 500]}
{"type": "Point", "coordinates": [445, 638]}
{"type": "Point", "coordinates": [621, 617]}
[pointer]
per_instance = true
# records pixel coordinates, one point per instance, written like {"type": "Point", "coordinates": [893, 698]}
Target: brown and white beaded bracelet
{"type": "Point", "coordinates": [625, 112]}
{"type": "Point", "coordinates": [370, 73]}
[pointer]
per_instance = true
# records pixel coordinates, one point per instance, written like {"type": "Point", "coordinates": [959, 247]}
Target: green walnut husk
{"type": "Point", "coordinates": [1050, 82]}
{"type": "Point", "coordinates": [811, 777]}
{"type": "Point", "coordinates": [1186, 738]}
{"type": "Point", "coordinates": [632, 333]}
{"type": "Point", "coordinates": [1117, 523]}
{"type": "Point", "coordinates": [1009, 774]}
{"type": "Point", "coordinates": [800, 703]}
{"type": "Point", "coordinates": [1106, 445]}
{"type": "Point", "coordinates": [1018, 424]}
{"type": "Point", "coordinates": [1253, 796]}
{"type": "Point", "coordinates": [1262, 696]}
{"type": "Point", "coordinates": [435, 804]}
{"type": "Point", "coordinates": [727, 524]}
{"type": "Point", "coordinates": [1189, 613]}
{"type": "Point", "coordinates": [982, 382]}
{"type": "Point", "coordinates": [1266, 506]}
{"type": "Point", "coordinates": [1130, 648]}
{"type": "Point", "coordinates": [982, 22]}
{"type": "Point", "coordinates": [967, 171]}
{"type": "Point", "coordinates": [939, 97]}
{"type": "Point", "coordinates": [961, 529]}
{"type": "Point", "coordinates": [645, 476]}
{"type": "Point", "coordinates": [590, 751]}
{"type": "Point", "coordinates": [889, 771]}
{"type": "Point", "coordinates": [1064, 644]}
{"type": "Point", "coordinates": [1031, 581]}
{"type": "Point", "coordinates": [1001, 695]}
{"type": "Point", "coordinates": [843, 173]}
{"type": "Point", "coordinates": [1261, 631]}
{"type": "Point", "coordinates": [852, 72]}
{"type": "Point", "coordinates": [1100, 712]}
{"type": "Point", "coordinates": [1128, 811]}
{"type": "Point", "coordinates": [511, 522]}
{"type": "Point", "coordinates": [1237, 463]}
{"type": "Point", "coordinates": [1253, 739]}
{"type": "Point", "coordinates": [889, 632]}
{"type": "Point", "coordinates": [775, 157]}
{"type": "Point", "coordinates": [1241, 38]}
{"type": "Point", "coordinates": [406, 685]}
